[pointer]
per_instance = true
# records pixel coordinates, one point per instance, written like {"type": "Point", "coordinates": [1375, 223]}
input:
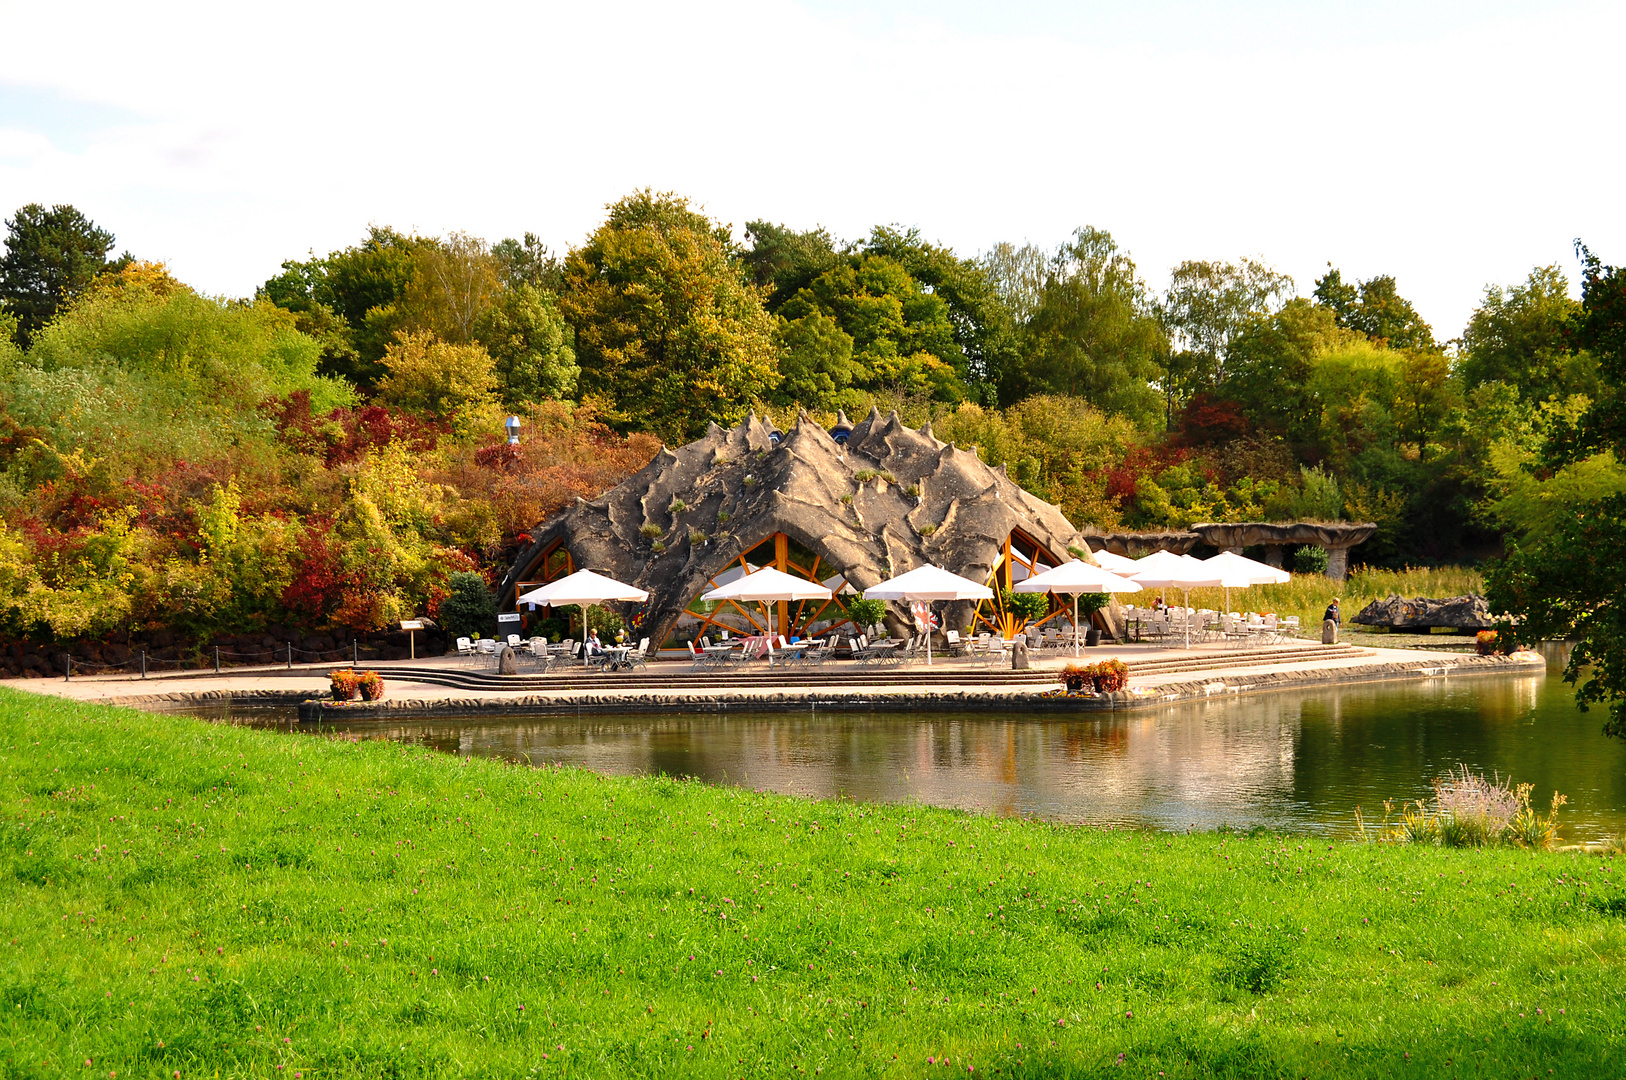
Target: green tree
{"type": "Point", "coordinates": [469, 608]}
{"type": "Point", "coordinates": [51, 257]}
{"type": "Point", "coordinates": [1522, 336]}
{"type": "Point", "coordinates": [529, 262]}
{"type": "Point", "coordinates": [437, 379]}
{"type": "Point", "coordinates": [985, 330]}
{"type": "Point", "coordinates": [670, 333]}
{"type": "Point", "coordinates": [784, 261]}
{"type": "Point", "coordinates": [1374, 308]}
{"type": "Point", "coordinates": [900, 335]}
{"type": "Point", "coordinates": [1094, 334]}
{"type": "Point", "coordinates": [531, 344]}
{"type": "Point", "coordinates": [1269, 362]}
{"type": "Point", "coordinates": [1206, 306]}
{"type": "Point", "coordinates": [1568, 578]}
{"type": "Point", "coordinates": [362, 286]}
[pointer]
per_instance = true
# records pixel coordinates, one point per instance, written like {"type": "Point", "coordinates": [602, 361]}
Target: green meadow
{"type": "Point", "coordinates": [196, 900]}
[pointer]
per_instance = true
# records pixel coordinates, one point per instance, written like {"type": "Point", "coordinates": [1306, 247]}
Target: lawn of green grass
{"type": "Point", "coordinates": [185, 898]}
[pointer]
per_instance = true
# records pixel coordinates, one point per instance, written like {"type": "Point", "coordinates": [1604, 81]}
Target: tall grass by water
{"type": "Point", "coordinates": [1308, 595]}
{"type": "Point", "coordinates": [196, 900]}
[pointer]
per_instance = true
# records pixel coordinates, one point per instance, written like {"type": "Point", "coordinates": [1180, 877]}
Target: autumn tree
{"type": "Point", "coordinates": [1523, 336]}
{"type": "Point", "coordinates": [670, 332]}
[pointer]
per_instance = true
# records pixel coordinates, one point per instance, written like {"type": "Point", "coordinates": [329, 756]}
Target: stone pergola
{"type": "Point", "coordinates": [1336, 537]}
{"type": "Point", "coordinates": [1133, 545]}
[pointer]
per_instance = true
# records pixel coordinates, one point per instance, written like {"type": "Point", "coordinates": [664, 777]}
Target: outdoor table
{"type": "Point", "coordinates": [717, 654]}
{"type": "Point", "coordinates": [793, 650]}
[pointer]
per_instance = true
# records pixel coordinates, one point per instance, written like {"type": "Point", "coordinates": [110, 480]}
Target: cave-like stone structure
{"type": "Point", "coordinates": [882, 500]}
{"type": "Point", "coordinates": [1336, 537]}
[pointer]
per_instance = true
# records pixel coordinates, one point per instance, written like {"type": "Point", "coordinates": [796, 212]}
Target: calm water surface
{"type": "Point", "coordinates": [1294, 761]}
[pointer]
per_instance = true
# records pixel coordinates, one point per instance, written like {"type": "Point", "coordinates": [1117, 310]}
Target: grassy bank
{"type": "Point", "coordinates": [1308, 595]}
{"type": "Point", "coordinates": [184, 898]}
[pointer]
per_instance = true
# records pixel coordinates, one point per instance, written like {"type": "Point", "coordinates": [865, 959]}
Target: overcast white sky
{"type": "Point", "coordinates": [1449, 144]}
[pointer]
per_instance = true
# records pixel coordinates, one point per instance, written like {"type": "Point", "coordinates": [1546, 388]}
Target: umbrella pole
{"type": "Point", "coordinates": [1075, 626]}
{"type": "Point", "coordinates": [1185, 595]}
{"type": "Point", "coordinates": [928, 634]}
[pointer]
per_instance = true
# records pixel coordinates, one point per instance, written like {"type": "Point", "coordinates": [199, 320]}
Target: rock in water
{"type": "Point", "coordinates": [1329, 632]}
{"type": "Point", "coordinates": [1019, 655]}
{"type": "Point", "coordinates": [1423, 613]}
{"type": "Point", "coordinates": [507, 662]}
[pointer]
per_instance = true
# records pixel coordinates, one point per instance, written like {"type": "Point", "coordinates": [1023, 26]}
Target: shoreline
{"type": "Point", "coordinates": [414, 699]}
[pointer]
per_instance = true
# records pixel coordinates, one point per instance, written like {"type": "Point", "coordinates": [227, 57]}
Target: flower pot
{"type": "Point", "coordinates": [1092, 637]}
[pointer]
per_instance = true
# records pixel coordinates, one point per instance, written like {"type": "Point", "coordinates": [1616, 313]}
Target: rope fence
{"type": "Point", "coordinates": [215, 656]}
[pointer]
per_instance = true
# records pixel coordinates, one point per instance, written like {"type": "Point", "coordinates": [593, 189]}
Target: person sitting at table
{"type": "Point", "coordinates": [594, 646]}
{"type": "Point", "coordinates": [1158, 604]}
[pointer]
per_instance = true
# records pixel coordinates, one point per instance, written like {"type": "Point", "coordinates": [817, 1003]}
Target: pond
{"type": "Point", "coordinates": [1298, 761]}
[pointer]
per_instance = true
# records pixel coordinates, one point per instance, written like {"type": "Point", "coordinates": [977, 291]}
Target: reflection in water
{"type": "Point", "coordinates": [1299, 761]}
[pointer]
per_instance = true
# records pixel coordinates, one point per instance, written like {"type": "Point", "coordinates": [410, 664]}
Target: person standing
{"type": "Point", "coordinates": [1331, 619]}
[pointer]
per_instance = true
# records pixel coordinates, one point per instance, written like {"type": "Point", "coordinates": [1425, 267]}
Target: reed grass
{"type": "Point", "coordinates": [184, 899]}
{"type": "Point", "coordinates": [1308, 595]}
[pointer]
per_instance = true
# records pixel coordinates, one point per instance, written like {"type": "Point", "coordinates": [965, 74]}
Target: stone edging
{"type": "Point", "coordinates": [833, 699]}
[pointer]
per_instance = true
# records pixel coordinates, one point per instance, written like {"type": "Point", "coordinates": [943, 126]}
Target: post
{"type": "Point", "coordinates": [143, 663]}
{"type": "Point", "coordinates": [217, 659]}
{"type": "Point", "coordinates": [355, 653]}
{"type": "Point", "coordinates": [290, 655]}
{"type": "Point", "coordinates": [67, 667]}
{"type": "Point", "coordinates": [412, 644]}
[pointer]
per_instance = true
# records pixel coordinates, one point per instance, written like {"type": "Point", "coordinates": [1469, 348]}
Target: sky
{"type": "Point", "coordinates": [1450, 144]}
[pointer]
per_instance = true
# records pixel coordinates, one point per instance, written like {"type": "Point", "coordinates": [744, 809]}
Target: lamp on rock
{"type": "Point", "coordinates": [511, 425]}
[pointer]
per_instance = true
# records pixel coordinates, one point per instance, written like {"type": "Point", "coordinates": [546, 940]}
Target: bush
{"type": "Point", "coordinates": [866, 612]}
{"type": "Point", "coordinates": [371, 685]}
{"type": "Point", "coordinates": [1025, 605]}
{"type": "Point", "coordinates": [469, 609]}
{"type": "Point", "coordinates": [1105, 677]}
{"type": "Point", "coordinates": [1310, 560]}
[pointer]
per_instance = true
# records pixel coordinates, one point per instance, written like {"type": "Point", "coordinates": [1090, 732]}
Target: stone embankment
{"type": "Point", "coordinates": [1156, 680]}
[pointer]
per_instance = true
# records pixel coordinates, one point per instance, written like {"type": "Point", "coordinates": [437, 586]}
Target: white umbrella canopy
{"type": "Point", "coordinates": [1241, 573]}
{"type": "Point", "coordinates": [584, 588]}
{"type": "Point", "coordinates": [766, 586]}
{"type": "Point", "coordinates": [928, 583]}
{"type": "Point", "coordinates": [1116, 563]}
{"type": "Point", "coordinates": [1077, 577]}
{"type": "Point", "coordinates": [1166, 570]}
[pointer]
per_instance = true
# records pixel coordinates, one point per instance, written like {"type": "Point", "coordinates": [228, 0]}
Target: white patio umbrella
{"type": "Point", "coordinates": [1240, 573]}
{"type": "Point", "coordinates": [584, 588]}
{"type": "Point", "coordinates": [928, 583]}
{"type": "Point", "coordinates": [1116, 563]}
{"type": "Point", "coordinates": [768, 585]}
{"type": "Point", "coordinates": [1077, 577]}
{"type": "Point", "coordinates": [1166, 570]}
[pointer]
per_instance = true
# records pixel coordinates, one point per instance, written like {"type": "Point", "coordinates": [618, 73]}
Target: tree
{"type": "Point", "coordinates": [51, 257]}
{"type": "Point", "coordinates": [869, 325]}
{"type": "Point", "coordinates": [670, 333]}
{"type": "Point", "coordinates": [528, 262]}
{"type": "Point", "coordinates": [784, 261]}
{"type": "Point", "coordinates": [358, 287]}
{"type": "Point", "coordinates": [1269, 362]}
{"type": "Point", "coordinates": [1374, 308]}
{"type": "Point", "coordinates": [1093, 334]}
{"type": "Point", "coordinates": [1569, 579]}
{"type": "Point", "coordinates": [984, 329]}
{"type": "Point", "coordinates": [454, 280]}
{"type": "Point", "coordinates": [527, 337]}
{"type": "Point", "coordinates": [1207, 304]}
{"type": "Point", "coordinates": [433, 378]}
{"type": "Point", "coordinates": [1018, 275]}
{"type": "Point", "coordinates": [469, 609]}
{"type": "Point", "coordinates": [1522, 336]}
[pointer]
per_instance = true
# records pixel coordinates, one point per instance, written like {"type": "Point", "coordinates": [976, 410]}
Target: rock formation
{"type": "Point", "coordinates": [884, 500]}
{"type": "Point", "coordinates": [1422, 613]}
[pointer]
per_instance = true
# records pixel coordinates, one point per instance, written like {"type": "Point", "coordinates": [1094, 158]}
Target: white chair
{"type": "Point", "coordinates": [465, 650]}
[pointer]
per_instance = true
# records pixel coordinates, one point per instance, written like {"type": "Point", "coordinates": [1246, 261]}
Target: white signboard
{"type": "Point", "coordinates": [508, 616]}
{"type": "Point", "coordinates": [411, 624]}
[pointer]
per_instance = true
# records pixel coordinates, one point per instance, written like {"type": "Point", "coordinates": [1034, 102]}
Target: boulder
{"type": "Point", "coordinates": [1329, 632]}
{"type": "Point", "coordinates": [1423, 613]}
{"type": "Point", "coordinates": [1019, 655]}
{"type": "Point", "coordinates": [507, 662]}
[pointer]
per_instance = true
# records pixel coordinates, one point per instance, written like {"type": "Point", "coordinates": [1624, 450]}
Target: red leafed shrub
{"type": "Point", "coordinates": [1209, 420]}
{"type": "Point", "coordinates": [1139, 461]}
{"type": "Point", "coordinates": [318, 578]}
{"type": "Point", "coordinates": [343, 435]}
